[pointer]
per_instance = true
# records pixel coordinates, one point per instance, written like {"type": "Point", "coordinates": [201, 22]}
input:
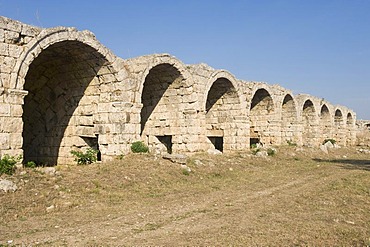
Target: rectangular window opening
{"type": "Point", "coordinates": [167, 142]}
{"type": "Point", "coordinates": [218, 142]}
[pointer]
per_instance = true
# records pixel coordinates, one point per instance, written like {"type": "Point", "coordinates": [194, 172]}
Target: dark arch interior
{"type": "Point", "coordinates": [222, 88]}
{"type": "Point", "coordinates": [161, 79]}
{"type": "Point", "coordinates": [324, 113]}
{"type": "Point", "coordinates": [56, 82]}
{"type": "Point", "coordinates": [349, 119]}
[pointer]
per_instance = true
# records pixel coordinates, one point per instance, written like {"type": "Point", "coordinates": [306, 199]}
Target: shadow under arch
{"type": "Point", "coordinates": [56, 82]}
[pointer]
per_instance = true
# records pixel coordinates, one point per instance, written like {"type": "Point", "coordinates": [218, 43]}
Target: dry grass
{"type": "Point", "coordinates": [299, 198]}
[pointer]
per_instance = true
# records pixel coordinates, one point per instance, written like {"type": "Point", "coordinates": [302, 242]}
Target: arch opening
{"type": "Point", "coordinates": [325, 122]}
{"type": "Point", "coordinates": [338, 118]}
{"type": "Point", "coordinates": [63, 93]}
{"type": "Point", "coordinates": [221, 105]}
{"type": "Point", "coordinates": [261, 117]}
{"type": "Point", "coordinates": [308, 119]}
{"type": "Point", "coordinates": [161, 99]}
{"type": "Point", "coordinates": [288, 120]}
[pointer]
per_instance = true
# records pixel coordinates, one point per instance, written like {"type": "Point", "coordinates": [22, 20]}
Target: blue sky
{"type": "Point", "coordinates": [316, 47]}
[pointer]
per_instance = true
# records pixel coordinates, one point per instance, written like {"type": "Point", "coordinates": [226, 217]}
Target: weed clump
{"type": "Point", "coordinates": [139, 147]}
{"type": "Point", "coordinates": [90, 156]}
{"type": "Point", "coordinates": [7, 164]}
{"type": "Point", "coordinates": [30, 164]}
{"type": "Point", "coordinates": [271, 151]}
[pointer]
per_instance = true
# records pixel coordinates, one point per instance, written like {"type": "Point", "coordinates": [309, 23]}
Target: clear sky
{"type": "Point", "coordinates": [309, 46]}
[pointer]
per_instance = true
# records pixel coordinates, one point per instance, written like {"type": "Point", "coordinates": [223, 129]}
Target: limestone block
{"type": "Point", "coordinates": [8, 64]}
{"type": "Point", "coordinates": [11, 37]}
{"type": "Point", "coordinates": [15, 51]}
{"type": "Point", "coordinates": [16, 140]}
{"type": "Point", "coordinates": [86, 131]}
{"type": "Point", "coordinates": [16, 110]}
{"type": "Point", "coordinates": [4, 49]}
{"type": "Point", "coordinates": [4, 109]}
{"type": "Point", "coordinates": [4, 141]}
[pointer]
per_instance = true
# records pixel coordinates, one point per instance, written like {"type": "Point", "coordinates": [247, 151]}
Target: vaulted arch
{"type": "Point", "coordinates": [325, 123]}
{"type": "Point", "coordinates": [60, 110]}
{"type": "Point", "coordinates": [221, 108]}
{"type": "Point", "coordinates": [161, 99]}
{"type": "Point", "coordinates": [262, 114]}
{"type": "Point", "coordinates": [289, 120]}
{"type": "Point", "coordinates": [309, 123]}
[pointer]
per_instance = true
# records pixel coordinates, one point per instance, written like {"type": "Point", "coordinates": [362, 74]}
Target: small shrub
{"type": "Point", "coordinates": [185, 172]}
{"type": "Point", "coordinates": [271, 152]}
{"type": "Point", "coordinates": [90, 156]}
{"type": "Point", "coordinates": [139, 147]}
{"type": "Point", "coordinates": [7, 164]}
{"type": "Point", "coordinates": [255, 151]}
{"type": "Point", "coordinates": [329, 140]}
{"type": "Point", "coordinates": [291, 144]}
{"type": "Point", "coordinates": [254, 145]}
{"type": "Point", "coordinates": [30, 164]}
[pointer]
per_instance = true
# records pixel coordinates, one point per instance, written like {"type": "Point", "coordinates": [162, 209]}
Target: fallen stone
{"type": "Point", "coordinates": [324, 149]}
{"type": "Point", "coordinates": [329, 145]}
{"type": "Point", "coordinates": [49, 171]}
{"type": "Point", "coordinates": [198, 163]}
{"type": "Point", "coordinates": [213, 151]}
{"type": "Point", "coordinates": [49, 209]}
{"type": "Point", "coordinates": [7, 185]}
{"type": "Point", "coordinates": [262, 154]}
{"type": "Point", "coordinates": [176, 158]}
{"type": "Point", "coordinates": [186, 168]}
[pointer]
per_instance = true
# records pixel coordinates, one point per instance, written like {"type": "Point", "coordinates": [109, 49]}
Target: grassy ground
{"type": "Point", "coordinates": [295, 198]}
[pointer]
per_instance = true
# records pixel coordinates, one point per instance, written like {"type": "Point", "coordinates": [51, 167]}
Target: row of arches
{"type": "Point", "coordinates": [79, 95]}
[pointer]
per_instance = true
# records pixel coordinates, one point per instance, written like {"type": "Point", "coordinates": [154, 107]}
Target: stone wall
{"type": "Point", "coordinates": [60, 89]}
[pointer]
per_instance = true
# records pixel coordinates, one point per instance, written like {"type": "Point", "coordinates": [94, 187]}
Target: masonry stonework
{"type": "Point", "coordinates": [60, 89]}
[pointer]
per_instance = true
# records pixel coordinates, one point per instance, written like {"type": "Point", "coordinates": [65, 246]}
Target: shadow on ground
{"type": "Point", "coordinates": [350, 164]}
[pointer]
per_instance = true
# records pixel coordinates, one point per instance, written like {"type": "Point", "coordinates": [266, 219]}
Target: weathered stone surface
{"type": "Point", "coordinates": [176, 158]}
{"type": "Point", "coordinates": [7, 185]}
{"type": "Point", "coordinates": [60, 89]}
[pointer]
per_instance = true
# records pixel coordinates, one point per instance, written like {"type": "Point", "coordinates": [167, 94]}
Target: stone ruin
{"type": "Point", "coordinates": [60, 89]}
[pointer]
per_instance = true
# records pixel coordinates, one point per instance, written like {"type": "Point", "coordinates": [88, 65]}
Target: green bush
{"type": "Point", "coordinates": [30, 164]}
{"type": "Point", "coordinates": [254, 145]}
{"type": "Point", "coordinates": [139, 147]}
{"type": "Point", "coordinates": [329, 140]}
{"type": "Point", "coordinates": [271, 152]}
{"type": "Point", "coordinates": [255, 151]}
{"type": "Point", "coordinates": [7, 164]}
{"type": "Point", "coordinates": [90, 156]}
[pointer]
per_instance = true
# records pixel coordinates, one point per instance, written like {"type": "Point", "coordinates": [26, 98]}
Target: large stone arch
{"type": "Point", "coordinates": [289, 120]}
{"type": "Point", "coordinates": [262, 115]}
{"type": "Point", "coordinates": [309, 123]}
{"type": "Point", "coordinates": [326, 123]}
{"type": "Point", "coordinates": [339, 126]}
{"type": "Point", "coordinates": [224, 118]}
{"type": "Point", "coordinates": [165, 93]}
{"type": "Point", "coordinates": [350, 125]}
{"type": "Point", "coordinates": [62, 71]}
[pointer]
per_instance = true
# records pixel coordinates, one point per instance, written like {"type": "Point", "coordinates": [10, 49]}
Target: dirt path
{"type": "Point", "coordinates": [301, 203]}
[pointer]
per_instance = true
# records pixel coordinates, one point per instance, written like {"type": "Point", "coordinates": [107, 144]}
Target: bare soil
{"type": "Point", "coordinates": [299, 197]}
